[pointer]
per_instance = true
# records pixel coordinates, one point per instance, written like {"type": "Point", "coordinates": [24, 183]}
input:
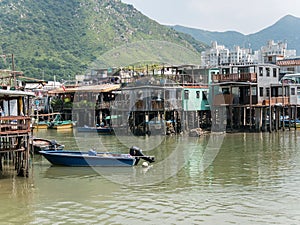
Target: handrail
{"type": "Point", "coordinates": [14, 124]}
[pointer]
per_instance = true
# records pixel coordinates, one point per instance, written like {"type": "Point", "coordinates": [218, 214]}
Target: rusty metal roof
{"type": "Point", "coordinates": [91, 88]}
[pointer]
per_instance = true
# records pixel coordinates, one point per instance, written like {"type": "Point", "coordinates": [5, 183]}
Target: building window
{"type": "Point", "coordinates": [274, 72]}
{"type": "Point", "coordinates": [286, 91]}
{"type": "Point", "coordinates": [253, 91]}
{"type": "Point", "coordinates": [186, 94]}
{"type": "Point", "coordinates": [268, 72]}
{"type": "Point", "coordinates": [261, 71]}
{"type": "Point", "coordinates": [280, 92]}
{"type": "Point", "coordinates": [204, 95]}
{"type": "Point", "coordinates": [261, 91]}
{"type": "Point", "coordinates": [197, 94]}
{"type": "Point", "coordinates": [293, 92]}
{"type": "Point", "coordinates": [267, 92]}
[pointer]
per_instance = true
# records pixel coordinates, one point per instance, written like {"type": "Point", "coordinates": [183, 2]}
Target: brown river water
{"type": "Point", "coordinates": [244, 178]}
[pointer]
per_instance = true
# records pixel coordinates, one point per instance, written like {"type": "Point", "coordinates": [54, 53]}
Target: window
{"type": "Point", "coordinates": [167, 94]}
{"type": "Point", "coordinates": [197, 94]}
{"type": "Point", "coordinates": [293, 92]}
{"type": "Point", "coordinates": [268, 72]}
{"type": "Point", "coordinates": [274, 72]}
{"type": "Point", "coordinates": [267, 92]}
{"type": "Point", "coordinates": [204, 95]}
{"type": "Point", "coordinates": [286, 91]}
{"type": "Point", "coordinates": [253, 91]}
{"type": "Point", "coordinates": [280, 92]}
{"type": "Point", "coordinates": [261, 91]}
{"type": "Point", "coordinates": [186, 94]}
{"type": "Point", "coordinates": [260, 71]}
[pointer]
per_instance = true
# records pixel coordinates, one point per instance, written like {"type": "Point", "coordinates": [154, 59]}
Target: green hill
{"type": "Point", "coordinates": [65, 38]}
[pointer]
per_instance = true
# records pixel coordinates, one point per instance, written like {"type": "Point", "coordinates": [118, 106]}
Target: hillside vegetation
{"type": "Point", "coordinates": [64, 38]}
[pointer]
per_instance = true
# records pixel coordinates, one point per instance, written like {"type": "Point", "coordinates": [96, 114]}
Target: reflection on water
{"type": "Point", "coordinates": [254, 179]}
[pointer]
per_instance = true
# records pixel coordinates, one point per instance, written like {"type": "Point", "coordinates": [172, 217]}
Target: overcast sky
{"type": "Point", "coordinates": [245, 16]}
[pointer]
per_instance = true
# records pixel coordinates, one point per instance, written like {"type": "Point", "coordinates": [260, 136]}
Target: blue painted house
{"type": "Point", "coordinates": [195, 105]}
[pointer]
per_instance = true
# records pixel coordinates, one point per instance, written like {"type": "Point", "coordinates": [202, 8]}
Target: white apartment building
{"type": "Point", "coordinates": [273, 52]}
{"type": "Point", "coordinates": [214, 55]}
{"type": "Point", "coordinates": [219, 55]}
{"type": "Point", "coordinates": [240, 56]}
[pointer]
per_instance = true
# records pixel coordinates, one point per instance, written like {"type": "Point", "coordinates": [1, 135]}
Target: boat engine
{"type": "Point", "coordinates": [53, 143]}
{"type": "Point", "coordinates": [138, 154]}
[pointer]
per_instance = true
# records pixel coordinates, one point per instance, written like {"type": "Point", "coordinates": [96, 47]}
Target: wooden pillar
{"type": "Point", "coordinates": [282, 121]}
{"type": "Point", "coordinates": [245, 114]}
{"type": "Point", "coordinates": [277, 118]}
{"type": "Point", "coordinates": [260, 118]}
{"type": "Point", "coordinates": [270, 118]}
{"type": "Point", "coordinates": [290, 115]}
{"type": "Point", "coordinates": [146, 127]}
{"type": "Point", "coordinates": [100, 116]}
{"type": "Point", "coordinates": [250, 105]}
{"type": "Point", "coordinates": [133, 125]}
{"type": "Point", "coordinates": [213, 117]}
{"type": "Point", "coordinates": [198, 118]}
{"type": "Point", "coordinates": [231, 117]}
{"type": "Point", "coordinates": [239, 117]}
{"type": "Point", "coordinates": [296, 116]}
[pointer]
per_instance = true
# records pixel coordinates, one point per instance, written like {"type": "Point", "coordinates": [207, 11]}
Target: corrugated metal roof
{"type": "Point", "coordinates": [92, 88]}
{"type": "Point", "coordinates": [15, 93]}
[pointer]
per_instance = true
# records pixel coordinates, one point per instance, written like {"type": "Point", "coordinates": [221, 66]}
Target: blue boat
{"type": "Point", "coordinates": [92, 158]}
{"type": "Point", "coordinates": [89, 158]}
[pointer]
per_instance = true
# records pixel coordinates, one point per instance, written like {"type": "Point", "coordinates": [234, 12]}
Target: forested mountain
{"type": "Point", "coordinates": [63, 38]}
{"type": "Point", "coordinates": [287, 29]}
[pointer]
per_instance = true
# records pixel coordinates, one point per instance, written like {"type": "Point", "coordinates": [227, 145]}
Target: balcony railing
{"type": "Point", "coordinates": [14, 125]}
{"type": "Point", "coordinates": [222, 99]}
{"type": "Point", "coordinates": [276, 100]}
{"type": "Point", "coordinates": [154, 105]}
{"type": "Point", "coordinates": [230, 99]}
{"type": "Point", "coordinates": [243, 77]}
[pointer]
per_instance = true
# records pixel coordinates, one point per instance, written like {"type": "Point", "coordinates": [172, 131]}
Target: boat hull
{"type": "Point", "coordinates": [100, 130]}
{"type": "Point", "coordinates": [41, 125]}
{"type": "Point", "coordinates": [64, 126]}
{"type": "Point", "coordinates": [84, 159]}
{"type": "Point", "coordinates": [61, 125]}
{"type": "Point", "coordinates": [41, 144]}
{"type": "Point", "coordinates": [292, 123]}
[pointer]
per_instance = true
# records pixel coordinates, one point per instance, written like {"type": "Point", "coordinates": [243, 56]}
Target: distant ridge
{"type": "Point", "coordinates": [286, 29]}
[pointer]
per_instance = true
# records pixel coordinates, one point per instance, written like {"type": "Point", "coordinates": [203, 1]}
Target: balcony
{"type": "Point", "coordinates": [235, 77]}
{"type": "Point", "coordinates": [223, 99]}
{"type": "Point", "coordinates": [276, 101]}
{"type": "Point", "coordinates": [169, 105]}
{"type": "Point", "coordinates": [14, 125]}
{"type": "Point", "coordinates": [230, 99]}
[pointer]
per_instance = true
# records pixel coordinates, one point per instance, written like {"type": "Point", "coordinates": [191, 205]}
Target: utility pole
{"type": "Point", "coordinates": [13, 70]}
